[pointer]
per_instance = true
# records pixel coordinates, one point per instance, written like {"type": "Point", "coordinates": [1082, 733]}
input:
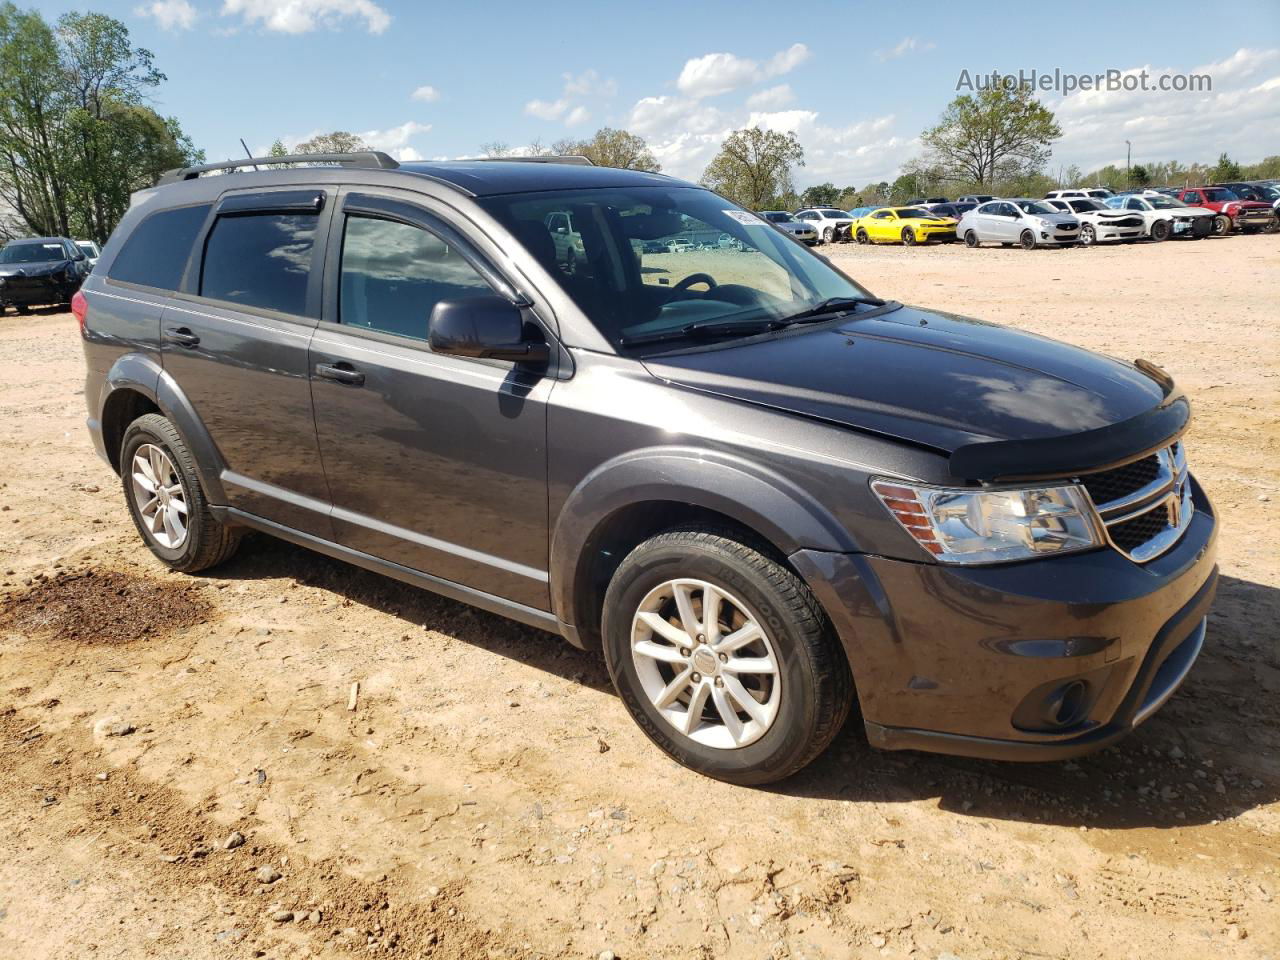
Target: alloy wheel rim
{"type": "Point", "coordinates": [706, 663]}
{"type": "Point", "coordinates": [159, 496]}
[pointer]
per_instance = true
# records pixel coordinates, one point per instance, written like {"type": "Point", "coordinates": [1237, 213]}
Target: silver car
{"type": "Point", "coordinates": [795, 229]}
{"type": "Point", "coordinates": [1028, 223]}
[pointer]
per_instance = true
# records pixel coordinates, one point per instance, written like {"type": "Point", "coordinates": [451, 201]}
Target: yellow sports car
{"type": "Point", "coordinates": [909, 225]}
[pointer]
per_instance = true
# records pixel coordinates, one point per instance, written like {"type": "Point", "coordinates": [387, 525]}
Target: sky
{"type": "Point", "coordinates": [856, 82]}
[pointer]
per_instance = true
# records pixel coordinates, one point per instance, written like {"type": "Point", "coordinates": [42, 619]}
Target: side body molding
{"type": "Point", "coordinates": [143, 374]}
{"type": "Point", "coordinates": [759, 498]}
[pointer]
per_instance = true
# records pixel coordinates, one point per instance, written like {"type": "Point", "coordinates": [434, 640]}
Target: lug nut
{"type": "Point", "coordinates": [684, 651]}
{"type": "Point", "coordinates": [696, 678]}
{"type": "Point", "coordinates": [701, 638]}
{"type": "Point", "coordinates": [724, 658]}
{"type": "Point", "coordinates": [719, 682]}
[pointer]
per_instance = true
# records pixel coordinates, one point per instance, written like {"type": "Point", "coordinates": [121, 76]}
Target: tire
{"type": "Point", "coordinates": [1088, 236]}
{"type": "Point", "coordinates": [1272, 225]}
{"type": "Point", "coordinates": [971, 240]}
{"type": "Point", "coordinates": [571, 262]}
{"type": "Point", "coordinates": [908, 236]}
{"type": "Point", "coordinates": [805, 698]}
{"type": "Point", "coordinates": [207, 542]}
{"type": "Point", "coordinates": [828, 235]}
{"type": "Point", "coordinates": [1006, 245]}
{"type": "Point", "coordinates": [1160, 230]}
{"type": "Point", "coordinates": [1221, 225]}
{"type": "Point", "coordinates": [861, 236]}
{"type": "Point", "coordinates": [22, 309]}
{"type": "Point", "coordinates": [1027, 240]}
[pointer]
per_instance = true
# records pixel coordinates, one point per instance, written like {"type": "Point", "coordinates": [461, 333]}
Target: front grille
{"type": "Point", "coordinates": [1128, 222]}
{"type": "Point", "coordinates": [1067, 226]}
{"type": "Point", "coordinates": [1145, 505]}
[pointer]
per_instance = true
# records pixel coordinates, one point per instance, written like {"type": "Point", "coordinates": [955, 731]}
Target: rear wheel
{"type": "Point", "coordinates": [1027, 241]}
{"type": "Point", "coordinates": [723, 656]}
{"type": "Point", "coordinates": [166, 501]}
{"type": "Point", "coordinates": [970, 239]}
{"type": "Point", "coordinates": [1160, 230]}
{"type": "Point", "coordinates": [908, 236]}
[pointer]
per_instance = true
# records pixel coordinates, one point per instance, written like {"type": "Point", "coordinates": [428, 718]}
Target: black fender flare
{"type": "Point", "coordinates": [754, 496]}
{"type": "Point", "coordinates": [143, 374]}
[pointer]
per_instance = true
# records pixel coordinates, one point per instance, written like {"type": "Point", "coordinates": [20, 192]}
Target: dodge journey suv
{"type": "Point", "coordinates": [759, 490]}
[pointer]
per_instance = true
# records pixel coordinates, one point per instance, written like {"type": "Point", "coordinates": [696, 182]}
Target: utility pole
{"type": "Point", "coordinates": [1128, 155]}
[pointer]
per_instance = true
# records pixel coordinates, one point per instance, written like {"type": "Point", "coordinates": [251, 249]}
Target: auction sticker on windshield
{"type": "Point", "coordinates": [750, 219]}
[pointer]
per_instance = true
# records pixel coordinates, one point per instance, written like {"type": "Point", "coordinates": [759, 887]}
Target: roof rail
{"type": "Point", "coordinates": [576, 159]}
{"type": "Point", "coordinates": [365, 158]}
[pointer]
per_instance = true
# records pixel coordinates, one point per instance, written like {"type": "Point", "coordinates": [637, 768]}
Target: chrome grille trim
{"type": "Point", "coordinates": [1169, 491]}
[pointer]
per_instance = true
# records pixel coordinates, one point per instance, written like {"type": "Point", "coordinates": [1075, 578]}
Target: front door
{"type": "Point", "coordinates": [437, 463]}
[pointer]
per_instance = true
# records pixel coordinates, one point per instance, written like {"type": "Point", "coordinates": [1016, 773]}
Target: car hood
{"type": "Point", "coordinates": [794, 226]}
{"type": "Point", "coordinates": [41, 268]}
{"type": "Point", "coordinates": [933, 379]}
{"type": "Point", "coordinates": [1190, 212]}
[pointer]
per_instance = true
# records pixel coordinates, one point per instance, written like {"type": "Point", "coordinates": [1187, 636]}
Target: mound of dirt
{"type": "Point", "coordinates": [107, 607]}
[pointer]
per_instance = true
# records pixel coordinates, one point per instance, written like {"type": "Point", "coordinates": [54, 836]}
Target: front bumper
{"type": "Point", "coordinates": [1040, 660]}
{"type": "Point", "coordinates": [35, 291]}
{"type": "Point", "coordinates": [1104, 234]}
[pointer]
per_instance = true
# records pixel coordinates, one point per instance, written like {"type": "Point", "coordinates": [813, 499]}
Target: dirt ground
{"type": "Point", "coordinates": [181, 777]}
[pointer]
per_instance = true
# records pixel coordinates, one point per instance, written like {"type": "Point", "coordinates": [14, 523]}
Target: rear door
{"type": "Point", "coordinates": [437, 463]}
{"type": "Point", "coordinates": [235, 340]}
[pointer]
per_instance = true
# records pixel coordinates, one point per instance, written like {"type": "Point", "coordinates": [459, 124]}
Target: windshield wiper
{"type": "Point", "coordinates": [829, 306]}
{"type": "Point", "coordinates": [707, 328]}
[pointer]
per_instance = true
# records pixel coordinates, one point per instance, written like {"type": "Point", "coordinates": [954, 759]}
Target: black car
{"type": "Point", "coordinates": [39, 271]}
{"type": "Point", "coordinates": [957, 209]}
{"type": "Point", "coordinates": [759, 490]}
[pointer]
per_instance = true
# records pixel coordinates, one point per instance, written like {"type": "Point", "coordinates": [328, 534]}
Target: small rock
{"type": "Point", "coordinates": [282, 916]}
{"type": "Point", "coordinates": [235, 839]}
{"type": "Point", "coordinates": [112, 727]}
{"type": "Point", "coordinates": [102, 777]}
{"type": "Point", "coordinates": [315, 916]}
{"type": "Point", "coordinates": [199, 852]}
{"type": "Point", "coordinates": [1176, 754]}
{"type": "Point", "coordinates": [604, 747]}
{"type": "Point", "coordinates": [1236, 933]}
{"type": "Point", "coordinates": [878, 941]}
{"type": "Point", "coordinates": [267, 874]}
{"type": "Point", "coordinates": [606, 955]}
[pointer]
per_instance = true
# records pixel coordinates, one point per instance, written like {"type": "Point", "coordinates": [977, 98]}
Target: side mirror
{"type": "Point", "coordinates": [487, 327]}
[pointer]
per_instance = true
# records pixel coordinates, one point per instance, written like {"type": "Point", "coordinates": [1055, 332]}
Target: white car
{"type": "Point", "coordinates": [1099, 223]}
{"type": "Point", "coordinates": [829, 223]}
{"type": "Point", "coordinates": [1026, 222]}
{"type": "Point", "coordinates": [90, 250]}
{"type": "Point", "coordinates": [1164, 217]}
{"type": "Point", "coordinates": [1076, 193]}
{"type": "Point", "coordinates": [680, 245]}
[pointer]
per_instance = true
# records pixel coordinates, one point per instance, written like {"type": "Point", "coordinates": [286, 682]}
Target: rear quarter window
{"type": "Point", "coordinates": [155, 254]}
{"type": "Point", "coordinates": [260, 260]}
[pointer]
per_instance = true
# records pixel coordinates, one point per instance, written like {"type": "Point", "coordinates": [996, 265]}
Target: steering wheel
{"type": "Point", "coordinates": [693, 278]}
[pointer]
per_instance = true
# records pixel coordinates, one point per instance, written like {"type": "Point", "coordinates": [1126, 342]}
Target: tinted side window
{"type": "Point", "coordinates": [260, 260]}
{"type": "Point", "coordinates": [155, 254]}
{"type": "Point", "coordinates": [393, 274]}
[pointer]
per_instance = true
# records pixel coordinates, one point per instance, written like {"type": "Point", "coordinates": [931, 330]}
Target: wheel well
{"type": "Point", "coordinates": [122, 408]}
{"type": "Point", "coordinates": [622, 531]}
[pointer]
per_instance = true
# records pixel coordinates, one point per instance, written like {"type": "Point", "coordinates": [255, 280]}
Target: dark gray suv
{"type": "Point", "coordinates": [759, 490]}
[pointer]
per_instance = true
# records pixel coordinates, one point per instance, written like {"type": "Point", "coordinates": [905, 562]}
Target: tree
{"type": "Point", "coordinates": [278, 149]}
{"type": "Point", "coordinates": [997, 132]}
{"type": "Point", "coordinates": [496, 148]}
{"type": "Point", "coordinates": [340, 141]}
{"type": "Point", "coordinates": [1140, 175]}
{"type": "Point", "coordinates": [819, 195]}
{"type": "Point", "coordinates": [76, 135]}
{"type": "Point", "coordinates": [611, 148]}
{"type": "Point", "coordinates": [1226, 169]}
{"type": "Point", "coordinates": [754, 166]}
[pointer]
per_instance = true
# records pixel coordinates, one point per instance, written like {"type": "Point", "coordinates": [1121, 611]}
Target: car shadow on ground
{"type": "Point", "coordinates": [1212, 753]}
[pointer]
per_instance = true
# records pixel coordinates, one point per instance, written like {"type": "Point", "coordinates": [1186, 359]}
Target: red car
{"type": "Point", "coordinates": [1242, 214]}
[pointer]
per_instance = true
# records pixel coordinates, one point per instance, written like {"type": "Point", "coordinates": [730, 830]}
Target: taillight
{"type": "Point", "coordinates": [80, 307]}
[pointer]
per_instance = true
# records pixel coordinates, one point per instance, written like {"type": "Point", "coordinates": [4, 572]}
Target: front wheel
{"type": "Point", "coordinates": [1160, 230]}
{"type": "Point", "coordinates": [166, 501]}
{"type": "Point", "coordinates": [828, 235]}
{"type": "Point", "coordinates": [723, 657]}
{"type": "Point", "coordinates": [861, 236]}
{"type": "Point", "coordinates": [908, 236]}
{"type": "Point", "coordinates": [1221, 225]}
{"type": "Point", "coordinates": [1027, 241]}
{"type": "Point", "coordinates": [1272, 225]}
{"type": "Point", "coordinates": [1088, 236]}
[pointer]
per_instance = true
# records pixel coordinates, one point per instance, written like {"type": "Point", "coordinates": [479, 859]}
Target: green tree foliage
{"type": "Point", "coordinates": [819, 195]}
{"type": "Point", "coordinates": [278, 149]}
{"type": "Point", "coordinates": [611, 148]}
{"type": "Point", "coordinates": [339, 141]}
{"type": "Point", "coordinates": [76, 134]}
{"type": "Point", "coordinates": [1226, 169]}
{"type": "Point", "coordinates": [1140, 175]}
{"type": "Point", "coordinates": [997, 133]}
{"type": "Point", "coordinates": [753, 167]}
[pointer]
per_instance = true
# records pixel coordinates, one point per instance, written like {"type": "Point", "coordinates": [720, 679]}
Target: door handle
{"type": "Point", "coordinates": [182, 336]}
{"type": "Point", "coordinates": [340, 372]}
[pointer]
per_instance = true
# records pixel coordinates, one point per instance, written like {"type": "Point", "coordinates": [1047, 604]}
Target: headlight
{"type": "Point", "coordinates": [992, 526]}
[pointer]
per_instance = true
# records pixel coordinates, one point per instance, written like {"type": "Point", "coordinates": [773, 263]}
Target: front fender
{"type": "Point", "coordinates": [758, 498]}
{"type": "Point", "coordinates": [143, 374]}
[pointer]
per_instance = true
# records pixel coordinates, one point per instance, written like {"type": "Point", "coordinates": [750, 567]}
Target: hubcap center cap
{"type": "Point", "coordinates": [704, 661]}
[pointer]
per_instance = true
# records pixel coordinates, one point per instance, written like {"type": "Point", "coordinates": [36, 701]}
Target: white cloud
{"type": "Point", "coordinates": [303, 16]}
{"type": "Point", "coordinates": [396, 139]}
{"type": "Point", "coordinates": [586, 84]}
{"type": "Point", "coordinates": [169, 14]}
{"type": "Point", "coordinates": [907, 45]}
{"type": "Point", "coordinates": [716, 73]}
{"type": "Point", "coordinates": [427, 94]}
{"type": "Point", "coordinates": [589, 84]}
{"type": "Point", "coordinates": [771, 98]}
{"type": "Point", "coordinates": [546, 109]}
{"type": "Point", "coordinates": [577, 116]}
{"type": "Point", "coordinates": [1238, 114]}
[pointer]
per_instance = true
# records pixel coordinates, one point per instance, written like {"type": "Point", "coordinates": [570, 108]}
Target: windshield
{"type": "Point", "coordinates": [89, 249]}
{"type": "Point", "coordinates": [1036, 207]}
{"type": "Point", "coordinates": [1163, 203]}
{"type": "Point", "coordinates": [906, 213]}
{"type": "Point", "coordinates": [834, 214]}
{"type": "Point", "coordinates": [631, 272]}
{"type": "Point", "coordinates": [1083, 206]}
{"type": "Point", "coordinates": [1220, 196]}
{"type": "Point", "coordinates": [32, 253]}
{"type": "Point", "coordinates": [779, 217]}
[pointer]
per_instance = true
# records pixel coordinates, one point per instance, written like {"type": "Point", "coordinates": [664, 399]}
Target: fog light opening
{"type": "Point", "coordinates": [1066, 707]}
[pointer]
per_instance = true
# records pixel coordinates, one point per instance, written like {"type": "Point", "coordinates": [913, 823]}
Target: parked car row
{"type": "Point", "coordinates": [43, 271]}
